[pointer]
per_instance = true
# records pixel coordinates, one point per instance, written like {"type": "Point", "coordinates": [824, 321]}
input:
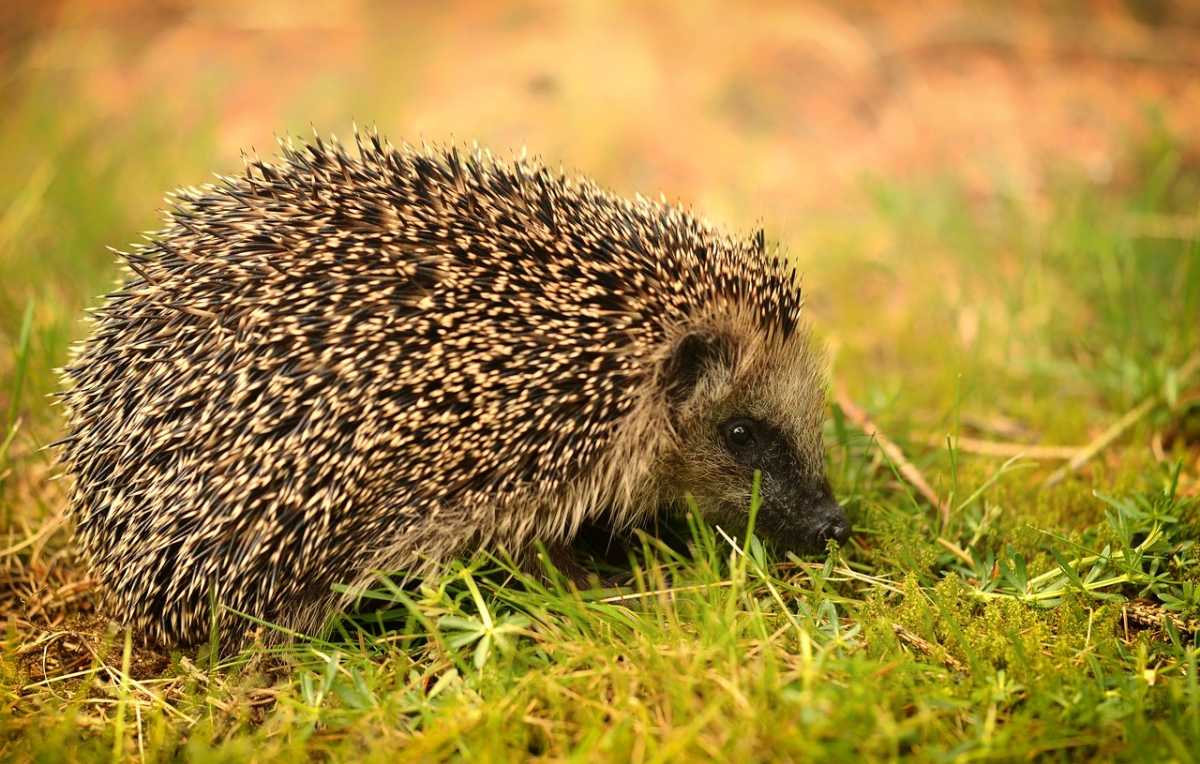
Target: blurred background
{"type": "Point", "coordinates": [767, 110]}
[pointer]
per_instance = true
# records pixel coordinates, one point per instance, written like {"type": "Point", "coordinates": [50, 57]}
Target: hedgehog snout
{"type": "Point", "coordinates": [802, 518]}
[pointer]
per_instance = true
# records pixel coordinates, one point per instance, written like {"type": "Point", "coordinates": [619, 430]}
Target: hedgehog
{"type": "Point", "coordinates": [340, 363]}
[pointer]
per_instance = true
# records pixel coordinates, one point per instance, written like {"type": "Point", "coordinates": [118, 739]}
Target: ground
{"type": "Point", "coordinates": [996, 208]}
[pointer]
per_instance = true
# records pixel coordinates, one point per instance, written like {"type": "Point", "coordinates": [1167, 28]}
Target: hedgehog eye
{"type": "Point", "coordinates": [739, 434]}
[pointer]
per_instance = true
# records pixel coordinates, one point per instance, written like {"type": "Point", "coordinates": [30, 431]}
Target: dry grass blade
{"type": "Point", "coordinates": [957, 551]}
{"type": "Point", "coordinates": [41, 534]}
{"type": "Point", "coordinates": [1106, 438]}
{"type": "Point", "coordinates": [983, 447]}
{"type": "Point", "coordinates": [672, 591]}
{"type": "Point", "coordinates": [906, 468]}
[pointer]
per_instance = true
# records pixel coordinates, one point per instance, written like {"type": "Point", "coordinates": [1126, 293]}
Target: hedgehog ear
{"type": "Point", "coordinates": [692, 357]}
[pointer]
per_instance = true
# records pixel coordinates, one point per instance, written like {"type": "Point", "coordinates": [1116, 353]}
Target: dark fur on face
{"type": "Point", "coordinates": [743, 402]}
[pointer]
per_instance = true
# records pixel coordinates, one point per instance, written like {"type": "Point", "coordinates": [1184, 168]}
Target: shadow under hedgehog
{"type": "Point", "coordinates": [333, 365]}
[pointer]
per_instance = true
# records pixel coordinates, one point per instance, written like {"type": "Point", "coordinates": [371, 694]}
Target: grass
{"type": "Point", "coordinates": [1054, 621]}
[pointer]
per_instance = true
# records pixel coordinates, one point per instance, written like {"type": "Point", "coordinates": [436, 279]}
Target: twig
{"type": "Point", "coordinates": [998, 425]}
{"type": "Point", "coordinates": [892, 451]}
{"type": "Point", "coordinates": [1152, 615]}
{"type": "Point", "coordinates": [998, 448]}
{"type": "Point", "coordinates": [929, 649]}
{"type": "Point", "coordinates": [1106, 438]}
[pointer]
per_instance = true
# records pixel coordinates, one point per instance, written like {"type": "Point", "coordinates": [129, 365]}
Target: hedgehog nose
{"type": "Point", "coordinates": [834, 525]}
{"type": "Point", "coordinates": [838, 530]}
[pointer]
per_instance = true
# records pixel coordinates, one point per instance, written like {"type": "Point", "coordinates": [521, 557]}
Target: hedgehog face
{"type": "Point", "coordinates": [741, 409]}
